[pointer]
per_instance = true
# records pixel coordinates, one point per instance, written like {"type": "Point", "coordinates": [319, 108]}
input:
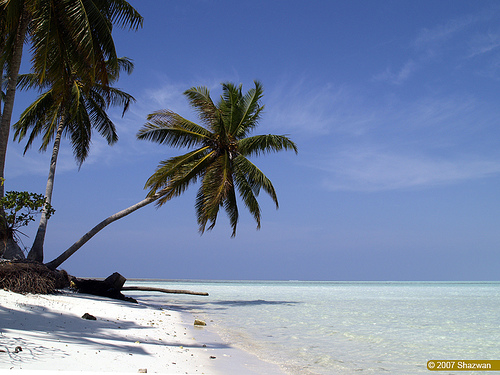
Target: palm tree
{"type": "Point", "coordinates": [219, 160]}
{"type": "Point", "coordinates": [11, 47]}
{"type": "Point", "coordinates": [62, 34]}
{"type": "Point", "coordinates": [74, 114]}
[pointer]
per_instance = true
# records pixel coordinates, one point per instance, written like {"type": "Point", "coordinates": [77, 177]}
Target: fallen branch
{"type": "Point", "coordinates": [172, 291]}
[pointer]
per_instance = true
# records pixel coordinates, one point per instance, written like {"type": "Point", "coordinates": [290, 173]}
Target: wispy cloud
{"type": "Point", "coordinates": [436, 36]}
{"type": "Point", "coordinates": [36, 163]}
{"type": "Point", "coordinates": [312, 109]}
{"type": "Point", "coordinates": [374, 170]}
{"type": "Point", "coordinates": [431, 141]}
{"type": "Point", "coordinates": [452, 41]}
{"type": "Point", "coordinates": [400, 76]}
{"type": "Point", "coordinates": [485, 43]}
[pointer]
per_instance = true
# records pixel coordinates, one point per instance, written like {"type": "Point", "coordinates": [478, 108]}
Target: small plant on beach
{"type": "Point", "coordinates": [20, 209]}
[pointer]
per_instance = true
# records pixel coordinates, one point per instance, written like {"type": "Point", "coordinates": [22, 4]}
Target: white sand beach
{"type": "Point", "coordinates": [46, 333]}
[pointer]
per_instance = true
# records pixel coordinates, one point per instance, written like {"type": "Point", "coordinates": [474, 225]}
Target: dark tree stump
{"type": "Point", "coordinates": [99, 288]}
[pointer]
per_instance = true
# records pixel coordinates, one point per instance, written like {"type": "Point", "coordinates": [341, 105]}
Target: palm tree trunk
{"type": "Point", "coordinates": [14, 65]}
{"type": "Point", "coordinates": [10, 93]}
{"type": "Point", "coordinates": [36, 251]}
{"type": "Point", "coordinates": [64, 256]}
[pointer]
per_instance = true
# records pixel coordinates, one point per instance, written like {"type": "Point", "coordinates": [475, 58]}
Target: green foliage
{"type": "Point", "coordinates": [78, 112]}
{"type": "Point", "coordinates": [220, 160]}
{"type": "Point", "coordinates": [21, 207]}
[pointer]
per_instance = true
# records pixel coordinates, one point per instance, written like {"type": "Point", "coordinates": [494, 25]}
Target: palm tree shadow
{"type": "Point", "coordinates": [256, 302]}
{"type": "Point", "coordinates": [18, 327]}
{"type": "Point", "coordinates": [224, 305]}
{"type": "Point", "coordinates": [21, 327]}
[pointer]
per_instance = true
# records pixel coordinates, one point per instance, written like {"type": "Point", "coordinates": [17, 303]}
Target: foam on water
{"type": "Point", "coordinates": [348, 327]}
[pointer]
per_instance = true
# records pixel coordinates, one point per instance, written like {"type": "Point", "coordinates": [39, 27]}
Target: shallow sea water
{"type": "Point", "coordinates": [346, 327]}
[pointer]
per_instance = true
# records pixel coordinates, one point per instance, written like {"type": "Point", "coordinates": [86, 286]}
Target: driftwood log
{"type": "Point", "coordinates": [98, 288]}
{"type": "Point", "coordinates": [112, 287]}
{"type": "Point", "coordinates": [173, 291]}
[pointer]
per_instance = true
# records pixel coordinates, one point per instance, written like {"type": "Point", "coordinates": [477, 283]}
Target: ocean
{"type": "Point", "coordinates": [328, 328]}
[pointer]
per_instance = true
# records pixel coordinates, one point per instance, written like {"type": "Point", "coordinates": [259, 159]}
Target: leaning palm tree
{"type": "Point", "coordinates": [220, 158]}
{"type": "Point", "coordinates": [74, 114]}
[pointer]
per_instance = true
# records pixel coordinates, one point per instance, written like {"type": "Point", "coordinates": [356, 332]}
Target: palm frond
{"type": "Point", "coordinates": [229, 106]}
{"type": "Point", "coordinates": [121, 12]}
{"type": "Point", "coordinates": [231, 208]}
{"type": "Point", "coordinates": [125, 64]}
{"type": "Point", "coordinates": [63, 41]}
{"type": "Point", "coordinates": [79, 130]}
{"type": "Point", "coordinates": [111, 96]}
{"type": "Point", "coordinates": [261, 144]}
{"type": "Point", "coordinates": [199, 98]}
{"type": "Point", "coordinates": [255, 177]}
{"type": "Point", "coordinates": [39, 118]}
{"type": "Point", "coordinates": [31, 81]}
{"type": "Point", "coordinates": [167, 127]}
{"type": "Point", "coordinates": [100, 119]}
{"type": "Point", "coordinates": [51, 126]}
{"type": "Point", "coordinates": [173, 176]}
{"type": "Point", "coordinates": [216, 190]}
{"type": "Point", "coordinates": [251, 110]}
{"type": "Point", "coordinates": [105, 58]}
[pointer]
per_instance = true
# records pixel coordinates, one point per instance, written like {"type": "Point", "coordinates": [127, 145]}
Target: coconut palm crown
{"type": "Point", "coordinates": [220, 158]}
{"type": "Point", "coordinates": [73, 113]}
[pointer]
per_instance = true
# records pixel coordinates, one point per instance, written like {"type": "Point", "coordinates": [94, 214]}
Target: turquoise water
{"type": "Point", "coordinates": [347, 327]}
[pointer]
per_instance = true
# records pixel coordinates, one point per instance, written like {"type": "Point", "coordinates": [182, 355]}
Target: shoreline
{"type": "Point", "coordinates": [124, 338]}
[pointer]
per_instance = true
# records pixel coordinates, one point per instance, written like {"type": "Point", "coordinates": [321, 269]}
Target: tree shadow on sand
{"type": "Point", "coordinates": [21, 327]}
{"type": "Point", "coordinates": [188, 306]}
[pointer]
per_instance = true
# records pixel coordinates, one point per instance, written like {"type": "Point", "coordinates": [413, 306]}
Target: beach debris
{"type": "Point", "coordinates": [115, 280]}
{"type": "Point", "coordinates": [103, 288]}
{"type": "Point", "coordinates": [88, 316]}
{"type": "Point", "coordinates": [23, 276]}
{"type": "Point", "coordinates": [162, 290]}
{"type": "Point", "coordinates": [143, 371]}
{"type": "Point", "coordinates": [112, 287]}
{"type": "Point", "coordinates": [198, 322]}
{"type": "Point", "coordinates": [18, 349]}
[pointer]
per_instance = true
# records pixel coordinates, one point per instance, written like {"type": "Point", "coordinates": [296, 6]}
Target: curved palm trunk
{"type": "Point", "coordinates": [64, 256]}
{"type": "Point", "coordinates": [15, 64]}
{"type": "Point", "coordinates": [36, 252]}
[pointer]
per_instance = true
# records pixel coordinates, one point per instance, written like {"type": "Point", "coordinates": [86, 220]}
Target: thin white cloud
{"type": "Point", "coordinates": [407, 144]}
{"type": "Point", "coordinates": [483, 44]}
{"type": "Point", "coordinates": [372, 170]}
{"type": "Point", "coordinates": [36, 163]}
{"type": "Point", "coordinates": [308, 109]}
{"type": "Point", "coordinates": [165, 94]}
{"type": "Point", "coordinates": [432, 37]}
{"type": "Point", "coordinates": [399, 77]}
{"type": "Point", "coordinates": [453, 40]}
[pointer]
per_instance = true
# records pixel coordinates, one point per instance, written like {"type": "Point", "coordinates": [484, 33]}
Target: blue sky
{"type": "Point", "coordinates": [394, 106]}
